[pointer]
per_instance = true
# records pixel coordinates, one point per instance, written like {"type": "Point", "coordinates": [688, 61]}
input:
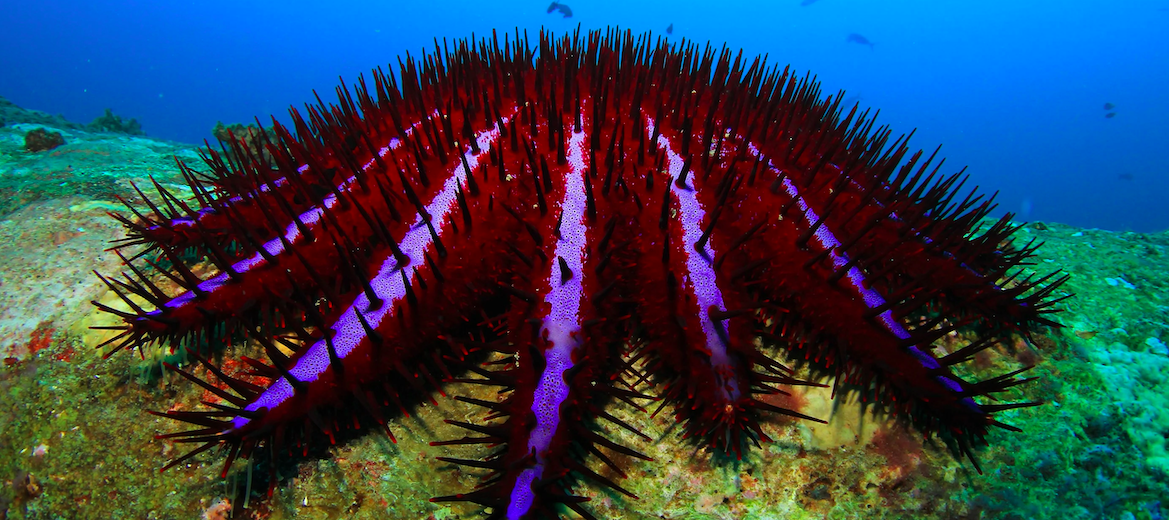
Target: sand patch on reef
{"type": "Point", "coordinates": [848, 423]}
{"type": "Point", "coordinates": [47, 254]}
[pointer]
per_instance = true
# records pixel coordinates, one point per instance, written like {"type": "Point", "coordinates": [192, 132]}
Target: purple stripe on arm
{"type": "Point", "coordinates": [275, 247]}
{"type": "Point", "coordinates": [700, 276]}
{"type": "Point", "coordinates": [856, 280]}
{"type": "Point", "coordinates": [562, 326]}
{"type": "Point", "coordinates": [264, 188]}
{"type": "Point", "coordinates": [387, 284]}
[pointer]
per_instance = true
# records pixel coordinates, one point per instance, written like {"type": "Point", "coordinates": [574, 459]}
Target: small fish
{"type": "Point", "coordinates": [1086, 334]}
{"type": "Point", "coordinates": [1109, 106]}
{"type": "Point", "coordinates": [563, 8]}
{"type": "Point", "coordinates": [1126, 177]}
{"type": "Point", "coordinates": [670, 29]}
{"type": "Point", "coordinates": [856, 38]}
{"type": "Point", "coordinates": [1110, 115]}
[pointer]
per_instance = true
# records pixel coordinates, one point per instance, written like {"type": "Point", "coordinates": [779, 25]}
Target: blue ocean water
{"type": "Point", "coordinates": [1015, 90]}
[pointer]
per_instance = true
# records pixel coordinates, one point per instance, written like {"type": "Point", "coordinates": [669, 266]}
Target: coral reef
{"type": "Point", "coordinates": [1076, 458]}
{"type": "Point", "coordinates": [40, 140]}
{"type": "Point", "coordinates": [109, 122]}
{"type": "Point", "coordinates": [249, 135]}
{"type": "Point", "coordinates": [90, 165]}
{"type": "Point", "coordinates": [11, 114]}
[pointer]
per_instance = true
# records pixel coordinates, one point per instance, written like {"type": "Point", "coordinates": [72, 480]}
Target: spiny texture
{"type": "Point", "coordinates": [569, 224]}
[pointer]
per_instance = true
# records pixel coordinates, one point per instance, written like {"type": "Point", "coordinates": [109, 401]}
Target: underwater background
{"type": "Point", "coordinates": [1060, 106]}
{"type": "Point", "coordinates": [1014, 90]}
